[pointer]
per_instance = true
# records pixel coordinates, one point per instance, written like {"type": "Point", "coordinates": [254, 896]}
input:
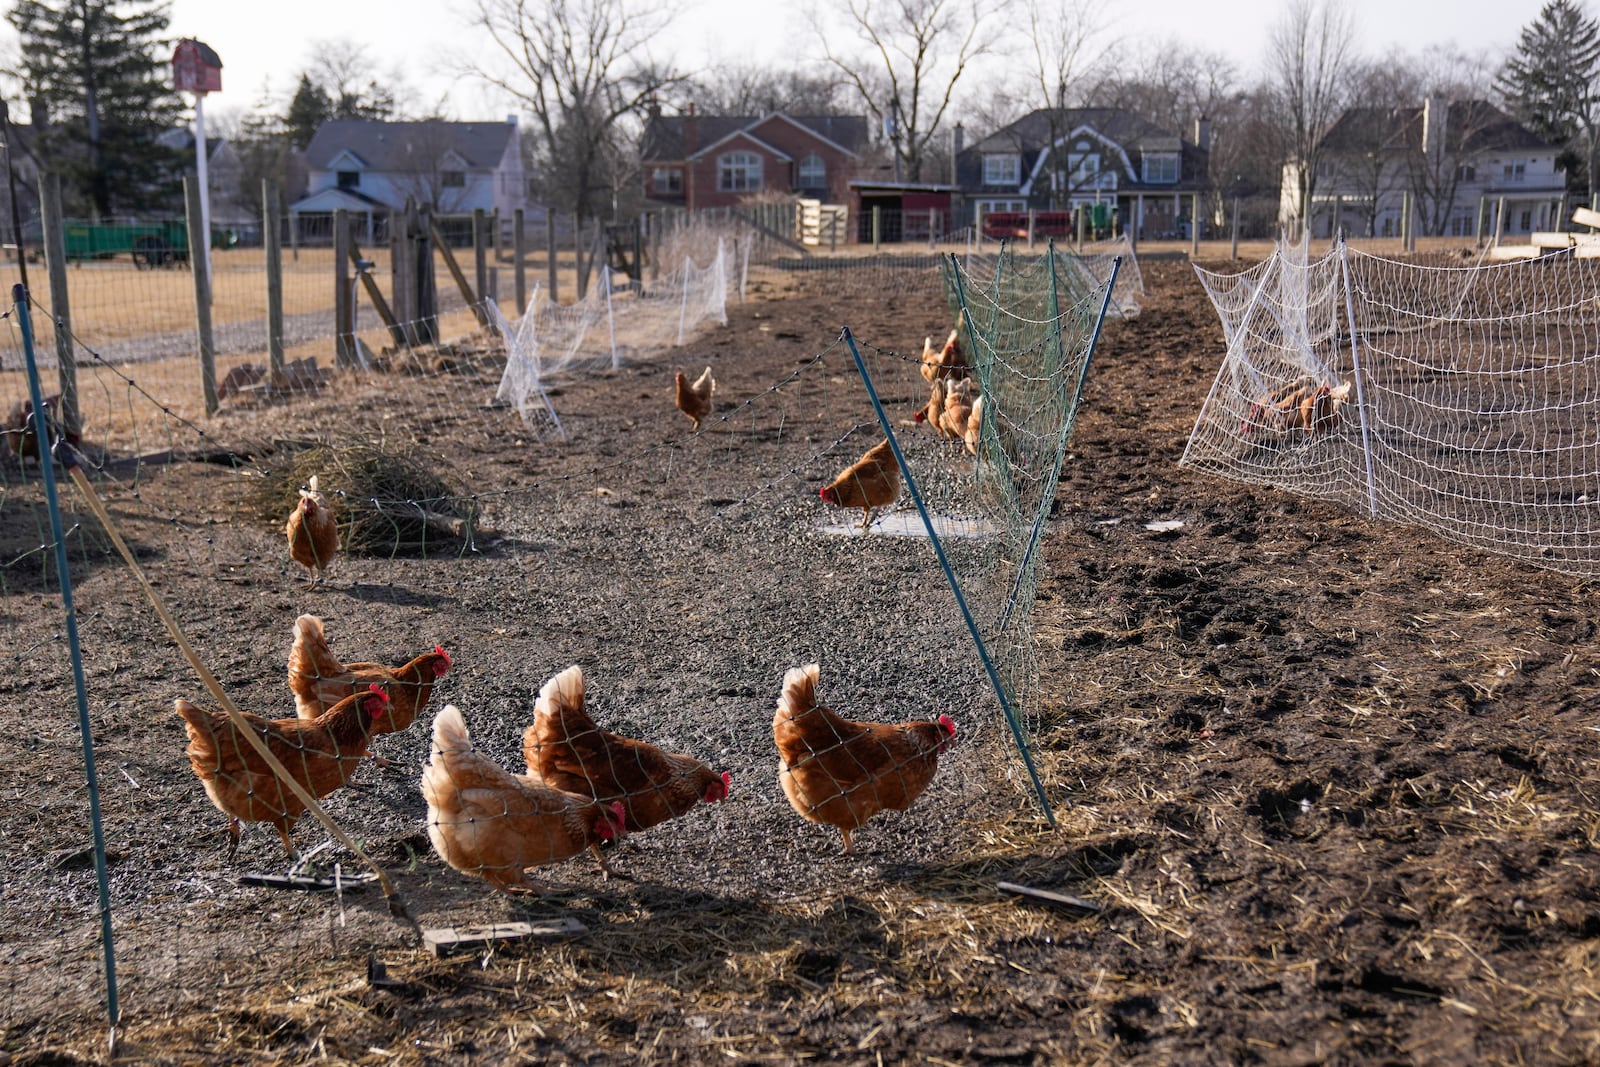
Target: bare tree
{"type": "Point", "coordinates": [919, 50]}
{"type": "Point", "coordinates": [1309, 53]}
{"type": "Point", "coordinates": [754, 89]}
{"type": "Point", "coordinates": [582, 67]}
{"type": "Point", "coordinates": [1062, 31]}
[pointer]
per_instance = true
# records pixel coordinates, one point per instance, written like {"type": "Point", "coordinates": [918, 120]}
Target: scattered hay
{"type": "Point", "coordinates": [386, 502]}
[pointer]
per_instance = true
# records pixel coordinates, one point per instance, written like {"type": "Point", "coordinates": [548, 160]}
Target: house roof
{"type": "Point", "coordinates": [337, 200]}
{"type": "Point", "coordinates": [393, 146]}
{"type": "Point", "coordinates": [1470, 126]}
{"type": "Point", "coordinates": [664, 134]}
{"type": "Point", "coordinates": [1033, 131]}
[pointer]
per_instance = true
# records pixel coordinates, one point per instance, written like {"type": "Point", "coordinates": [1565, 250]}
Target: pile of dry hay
{"type": "Point", "coordinates": [385, 502]}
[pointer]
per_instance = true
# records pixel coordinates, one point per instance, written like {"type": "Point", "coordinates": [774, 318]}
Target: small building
{"type": "Point", "coordinates": [1460, 165]}
{"type": "Point", "coordinates": [1066, 159]}
{"type": "Point", "coordinates": [370, 168]}
{"type": "Point", "coordinates": [901, 211]}
{"type": "Point", "coordinates": [703, 161]}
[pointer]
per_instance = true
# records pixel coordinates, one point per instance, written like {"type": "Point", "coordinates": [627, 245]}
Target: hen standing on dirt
{"type": "Point", "coordinates": [492, 824]}
{"type": "Point", "coordinates": [871, 482]}
{"type": "Point", "coordinates": [842, 773]}
{"type": "Point", "coordinates": [695, 400]}
{"type": "Point", "coordinates": [313, 536]}
{"type": "Point", "coordinates": [321, 754]}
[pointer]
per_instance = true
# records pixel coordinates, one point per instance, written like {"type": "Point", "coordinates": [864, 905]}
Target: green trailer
{"type": "Point", "coordinates": [151, 244]}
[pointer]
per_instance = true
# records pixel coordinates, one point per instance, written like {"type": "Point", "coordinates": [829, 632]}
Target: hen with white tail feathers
{"type": "Point", "coordinates": [491, 824]}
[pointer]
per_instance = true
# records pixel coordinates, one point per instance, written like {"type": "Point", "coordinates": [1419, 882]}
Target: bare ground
{"type": "Point", "coordinates": [1331, 783]}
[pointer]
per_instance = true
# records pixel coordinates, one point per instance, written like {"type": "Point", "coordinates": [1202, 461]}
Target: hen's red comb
{"type": "Point", "coordinates": [438, 650]}
{"type": "Point", "coordinates": [376, 688]}
{"type": "Point", "coordinates": [948, 725]}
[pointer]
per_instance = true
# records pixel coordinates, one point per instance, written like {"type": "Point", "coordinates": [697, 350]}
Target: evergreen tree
{"type": "Point", "coordinates": [309, 108]}
{"type": "Point", "coordinates": [97, 73]}
{"type": "Point", "coordinates": [1549, 84]}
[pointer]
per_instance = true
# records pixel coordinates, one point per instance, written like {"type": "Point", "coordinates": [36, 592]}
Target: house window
{"type": "Point", "coordinates": [738, 172]}
{"type": "Point", "coordinates": [453, 179]}
{"type": "Point", "coordinates": [1003, 169]}
{"type": "Point", "coordinates": [1161, 169]}
{"type": "Point", "coordinates": [813, 173]}
{"type": "Point", "coordinates": [349, 179]}
{"type": "Point", "coordinates": [990, 207]}
{"type": "Point", "coordinates": [1466, 173]}
{"type": "Point", "coordinates": [1527, 222]}
{"type": "Point", "coordinates": [1083, 166]}
{"type": "Point", "coordinates": [1514, 172]}
{"type": "Point", "coordinates": [666, 180]}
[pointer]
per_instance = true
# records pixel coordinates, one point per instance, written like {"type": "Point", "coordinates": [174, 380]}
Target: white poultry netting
{"type": "Point", "coordinates": [606, 328]}
{"type": "Point", "coordinates": [1464, 399]}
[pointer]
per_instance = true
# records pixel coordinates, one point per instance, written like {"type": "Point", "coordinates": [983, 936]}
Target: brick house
{"type": "Point", "coordinates": [701, 161]}
{"type": "Point", "coordinates": [1058, 159]}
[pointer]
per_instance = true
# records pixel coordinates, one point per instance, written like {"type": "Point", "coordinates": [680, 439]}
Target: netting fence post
{"type": "Point", "coordinates": [1355, 360]}
{"type": "Point", "coordinates": [1012, 719]}
{"type": "Point", "coordinates": [43, 433]}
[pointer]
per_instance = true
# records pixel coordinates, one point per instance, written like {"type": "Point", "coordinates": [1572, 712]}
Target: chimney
{"type": "Point", "coordinates": [1202, 133]}
{"type": "Point", "coordinates": [511, 120]}
{"type": "Point", "coordinates": [691, 131]}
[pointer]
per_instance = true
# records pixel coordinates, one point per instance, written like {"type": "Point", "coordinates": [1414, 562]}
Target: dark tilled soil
{"type": "Point", "coordinates": [1330, 784]}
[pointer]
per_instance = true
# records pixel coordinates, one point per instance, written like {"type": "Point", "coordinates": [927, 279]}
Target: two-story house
{"type": "Point", "coordinates": [1057, 159]}
{"type": "Point", "coordinates": [371, 168]}
{"type": "Point", "coordinates": [700, 161]}
{"type": "Point", "coordinates": [1458, 165]}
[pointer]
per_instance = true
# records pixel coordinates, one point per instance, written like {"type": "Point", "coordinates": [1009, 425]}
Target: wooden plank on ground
{"type": "Point", "coordinates": [1500, 252]}
{"type": "Point", "coordinates": [445, 940]}
{"type": "Point", "coordinates": [1088, 907]}
{"type": "Point", "coordinates": [1585, 217]}
{"type": "Point", "coordinates": [1563, 239]}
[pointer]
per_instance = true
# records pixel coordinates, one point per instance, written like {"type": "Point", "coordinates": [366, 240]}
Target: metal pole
{"type": "Point", "coordinates": [205, 186]}
{"type": "Point", "coordinates": [19, 295]}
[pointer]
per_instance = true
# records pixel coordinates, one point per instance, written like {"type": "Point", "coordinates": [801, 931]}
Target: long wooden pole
{"type": "Point", "coordinates": [202, 294]}
{"type": "Point", "coordinates": [274, 244]}
{"type": "Point", "coordinates": [344, 320]}
{"type": "Point", "coordinates": [519, 250]}
{"type": "Point", "coordinates": [55, 265]}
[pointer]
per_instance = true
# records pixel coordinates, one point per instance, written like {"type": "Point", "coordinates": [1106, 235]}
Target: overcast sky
{"type": "Point", "coordinates": [261, 49]}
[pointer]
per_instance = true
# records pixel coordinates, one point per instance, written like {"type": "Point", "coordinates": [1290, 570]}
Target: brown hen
{"type": "Point", "coordinates": [841, 773]}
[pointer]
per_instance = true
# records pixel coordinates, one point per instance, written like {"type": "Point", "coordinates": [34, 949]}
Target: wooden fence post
{"type": "Point", "coordinates": [480, 255]}
{"type": "Point", "coordinates": [400, 291]}
{"type": "Point", "coordinates": [519, 252]}
{"type": "Point", "coordinates": [1234, 252]}
{"type": "Point", "coordinates": [55, 264]}
{"type": "Point", "coordinates": [274, 248]}
{"type": "Point", "coordinates": [426, 306]}
{"type": "Point", "coordinates": [344, 347]}
{"type": "Point", "coordinates": [202, 292]}
{"type": "Point", "coordinates": [1194, 225]}
{"type": "Point", "coordinates": [577, 254]}
{"type": "Point", "coordinates": [551, 252]}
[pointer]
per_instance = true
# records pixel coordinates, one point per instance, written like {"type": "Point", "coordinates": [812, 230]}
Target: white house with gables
{"type": "Point", "coordinates": [371, 168]}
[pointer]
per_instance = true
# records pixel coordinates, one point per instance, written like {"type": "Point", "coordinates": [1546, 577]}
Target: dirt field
{"type": "Point", "coordinates": [1331, 784]}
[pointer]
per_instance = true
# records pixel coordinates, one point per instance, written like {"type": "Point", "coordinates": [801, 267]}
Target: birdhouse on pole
{"type": "Point", "coordinates": [196, 68]}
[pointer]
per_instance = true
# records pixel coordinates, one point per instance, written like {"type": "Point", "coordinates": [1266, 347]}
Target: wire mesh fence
{"type": "Point", "coordinates": [1455, 397]}
{"type": "Point", "coordinates": [684, 571]}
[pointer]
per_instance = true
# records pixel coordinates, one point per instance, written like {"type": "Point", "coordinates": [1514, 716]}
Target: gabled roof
{"type": "Point", "coordinates": [406, 146]}
{"type": "Point", "coordinates": [336, 199]}
{"type": "Point", "coordinates": [744, 135]}
{"type": "Point", "coordinates": [1471, 126]}
{"type": "Point", "coordinates": [1078, 133]}
{"type": "Point", "coordinates": [663, 139]}
{"type": "Point", "coordinates": [1122, 127]}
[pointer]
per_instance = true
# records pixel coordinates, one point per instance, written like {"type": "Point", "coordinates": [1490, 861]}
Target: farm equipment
{"type": "Point", "coordinates": [150, 244]}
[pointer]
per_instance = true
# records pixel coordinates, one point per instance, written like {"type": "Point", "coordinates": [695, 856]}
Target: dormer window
{"type": "Point", "coordinates": [1002, 168]}
{"type": "Point", "coordinates": [1161, 168]}
{"type": "Point", "coordinates": [349, 179]}
{"type": "Point", "coordinates": [453, 179]}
